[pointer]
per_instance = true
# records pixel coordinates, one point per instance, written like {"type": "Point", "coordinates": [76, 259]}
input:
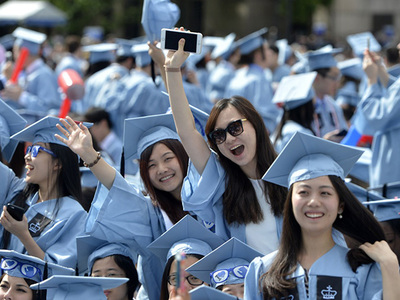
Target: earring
{"type": "Point", "coordinates": [340, 216]}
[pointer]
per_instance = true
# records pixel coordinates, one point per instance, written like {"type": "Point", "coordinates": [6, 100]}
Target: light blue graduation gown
{"type": "Point", "coordinates": [394, 70]}
{"type": "Point", "coordinates": [123, 214]}
{"type": "Point", "coordinates": [70, 62]}
{"type": "Point", "coordinates": [330, 116]}
{"type": "Point", "coordinates": [101, 80]}
{"type": "Point", "coordinates": [57, 239]}
{"type": "Point", "coordinates": [288, 130]}
{"type": "Point", "coordinates": [348, 94]}
{"type": "Point", "coordinates": [219, 79]}
{"type": "Point", "coordinates": [251, 83]}
{"type": "Point", "coordinates": [280, 72]}
{"type": "Point", "coordinates": [40, 94]}
{"type": "Point", "coordinates": [378, 115]}
{"type": "Point", "coordinates": [202, 195]}
{"type": "Point", "coordinates": [329, 275]}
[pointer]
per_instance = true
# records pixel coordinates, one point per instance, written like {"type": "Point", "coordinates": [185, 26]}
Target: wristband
{"type": "Point", "coordinates": [171, 69]}
{"type": "Point", "coordinates": [93, 163]}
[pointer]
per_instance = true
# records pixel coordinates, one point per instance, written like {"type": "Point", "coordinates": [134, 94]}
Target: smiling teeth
{"type": "Point", "coordinates": [315, 215]}
{"type": "Point", "coordinates": [235, 147]}
{"type": "Point", "coordinates": [166, 178]}
{"type": "Point", "coordinates": [28, 167]}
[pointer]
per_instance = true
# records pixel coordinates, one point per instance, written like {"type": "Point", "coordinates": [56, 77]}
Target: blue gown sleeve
{"type": "Point", "coordinates": [59, 242]}
{"type": "Point", "coordinates": [380, 110]}
{"type": "Point", "coordinates": [10, 184]}
{"type": "Point", "coordinates": [121, 214]}
{"type": "Point", "coordinates": [257, 268]}
{"type": "Point", "coordinates": [202, 194]}
{"type": "Point", "coordinates": [41, 93]}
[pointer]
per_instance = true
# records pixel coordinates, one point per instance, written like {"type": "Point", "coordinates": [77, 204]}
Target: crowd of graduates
{"type": "Point", "coordinates": [257, 169]}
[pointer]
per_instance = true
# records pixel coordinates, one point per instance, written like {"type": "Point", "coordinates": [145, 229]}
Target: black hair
{"type": "Point", "coordinates": [126, 264]}
{"type": "Point", "coordinates": [302, 115]}
{"type": "Point", "coordinates": [97, 114]}
{"type": "Point", "coordinates": [357, 222]}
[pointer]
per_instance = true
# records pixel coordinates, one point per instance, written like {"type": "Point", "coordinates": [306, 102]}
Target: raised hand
{"type": "Point", "coordinates": [175, 59]}
{"type": "Point", "coordinates": [79, 139]}
{"type": "Point", "coordinates": [156, 54]}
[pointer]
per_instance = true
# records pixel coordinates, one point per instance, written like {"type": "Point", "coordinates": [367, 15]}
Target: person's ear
{"type": "Point", "coordinates": [57, 165]}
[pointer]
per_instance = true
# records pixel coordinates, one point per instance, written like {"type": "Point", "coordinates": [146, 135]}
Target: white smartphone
{"type": "Point", "coordinates": [170, 39]}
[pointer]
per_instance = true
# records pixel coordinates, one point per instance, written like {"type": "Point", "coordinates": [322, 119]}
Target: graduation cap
{"type": "Point", "coordinates": [204, 292]}
{"type": "Point", "coordinates": [230, 255]}
{"type": "Point", "coordinates": [32, 40]}
{"type": "Point", "coordinates": [284, 50]}
{"type": "Point", "coordinates": [306, 157]}
{"type": "Point", "coordinates": [361, 41]}
{"type": "Point", "coordinates": [295, 90]}
{"type": "Point", "coordinates": [224, 47]}
{"type": "Point", "coordinates": [25, 266]}
{"type": "Point", "coordinates": [158, 14]}
{"type": "Point", "coordinates": [385, 209]}
{"type": "Point", "coordinates": [10, 123]}
{"type": "Point", "coordinates": [187, 236]}
{"type": "Point", "coordinates": [141, 54]}
{"type": "Point", "coordinates": [363, 195]}
{"type": "Point", "coordinates": [301, 66]}
{"type": "Point", "coordinates": [142, 132]}
{"type": "Point", "coordinates": [388, 190]}
{"type": "Point", "coordinates": [78, 287]}
{"type": "Point", "coordinates": [124, 47]}
{"type": "Point", "coordinates": [101, 52]}
{"type": "Point", "coordinates": [42, 131]}
{"type": "Point", "coordinates": [7, 41]}
{"type": "Point", "coordinates": [322, 58]}
{"type": "Point", "coordinates": [252, 41]}
{"type": "Point", "coordinates": [90, 249]}
{"type": "Point", "coordinates": [351, 68]}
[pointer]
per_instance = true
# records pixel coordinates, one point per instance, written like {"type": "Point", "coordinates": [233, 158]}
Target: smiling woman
{"type": "Point", "coordinates": [163, 162]}
{"type": "Point", "coordinates": [224, 185]}
{"type": "Point", "coordinates": [309, 262]}
{"type": "Point", "coordinates": [50, 195]}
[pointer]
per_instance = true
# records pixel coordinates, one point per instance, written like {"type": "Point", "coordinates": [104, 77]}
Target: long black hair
{"type": "Point", "coordinates": [357, 222]}
{"type": "Point", "coordinates": [240, 202]}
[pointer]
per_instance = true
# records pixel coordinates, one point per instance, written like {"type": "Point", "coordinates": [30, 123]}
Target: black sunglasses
{"type": "Point", "coordinates": [218, 136]}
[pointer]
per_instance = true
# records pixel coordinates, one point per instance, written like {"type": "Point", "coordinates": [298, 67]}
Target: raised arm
{"type": "Point", "coordinates": [374, 68]}
{"type": "Point", "coordinates": [80, 141]}
{"type": "Point", "coordinates": [193, 142]}
{"type": "Point", "coordinates": [387, 260]}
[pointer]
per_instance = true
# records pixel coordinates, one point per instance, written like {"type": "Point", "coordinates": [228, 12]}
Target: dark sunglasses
{"type": "Point", "coordinates": [34, 150]}
{"type": "Point", "coordinates": [218, 136]}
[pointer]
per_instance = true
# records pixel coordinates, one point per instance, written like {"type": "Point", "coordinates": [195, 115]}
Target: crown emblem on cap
{"type": "Point", "coordinates": [328, 293]}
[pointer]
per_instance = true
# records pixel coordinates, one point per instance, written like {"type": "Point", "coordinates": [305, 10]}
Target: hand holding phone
{"type": "Point", "coordinates": [15, 211]}
{"type": "Point", "coordinates": [170, 39]}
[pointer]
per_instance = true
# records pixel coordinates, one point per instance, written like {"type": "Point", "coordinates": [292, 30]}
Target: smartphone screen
{"type": "Point", "coordinates": [172, 38]}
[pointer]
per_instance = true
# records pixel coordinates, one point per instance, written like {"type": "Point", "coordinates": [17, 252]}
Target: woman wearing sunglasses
{"type": "Point", "coordinates": [224, 183]}
{"type": "Point", "coordinates": [49, 195]}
